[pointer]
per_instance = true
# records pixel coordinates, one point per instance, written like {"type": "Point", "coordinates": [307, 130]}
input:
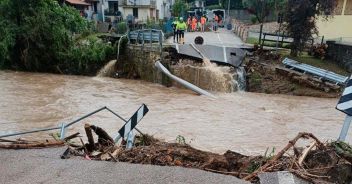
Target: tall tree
{"type": "Point", "coordinates": [300, 18]}
{"type": "Point", "coordinates": [179, 8]}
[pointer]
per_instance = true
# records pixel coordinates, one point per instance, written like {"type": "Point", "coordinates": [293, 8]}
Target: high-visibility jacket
{"type": "Point", "coordinates": [194, 21]}
{"type": "Point", "coordinates": [203, 20]}
{"type": "Point", "coordinates": [181, 26]}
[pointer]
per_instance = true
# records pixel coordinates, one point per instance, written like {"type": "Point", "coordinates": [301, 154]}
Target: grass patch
{"type": "Point", "coordinates": [255, 41]}
{"type": "Point", "coordinates": [324, 64]}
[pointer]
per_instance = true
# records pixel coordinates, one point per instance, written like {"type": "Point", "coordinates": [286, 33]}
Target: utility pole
{"type": "Point", "coordinates": [228, 10]}
{"type": "Point", "coordinates": [262, 22]}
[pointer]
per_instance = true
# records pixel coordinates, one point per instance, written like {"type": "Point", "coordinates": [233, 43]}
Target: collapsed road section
{"type": "Point", "coordinates": [219, 54]}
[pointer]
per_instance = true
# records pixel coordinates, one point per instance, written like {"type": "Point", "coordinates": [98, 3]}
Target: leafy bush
{"type": "Point", "coordinates": [121, 28]}
{"type": "Point", "coordinates": [6, 42]}
{"type": "Point", "coordinates": [254, 19]}
{"type": "Point", "coordinates": [39, 35]}
{"type": "Point", "coordinates": [86, 57]}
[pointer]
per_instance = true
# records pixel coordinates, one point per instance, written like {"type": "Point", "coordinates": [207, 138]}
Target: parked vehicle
{"type": "Point", "coordinates": [221, 14]}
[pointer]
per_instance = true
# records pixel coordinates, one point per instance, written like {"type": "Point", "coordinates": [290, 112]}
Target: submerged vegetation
{"type": "Point", "coordinates": [40, 35]}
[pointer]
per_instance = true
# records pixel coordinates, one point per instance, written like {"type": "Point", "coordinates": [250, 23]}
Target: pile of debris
{"type": "Point", "coordinates": [318, 163]}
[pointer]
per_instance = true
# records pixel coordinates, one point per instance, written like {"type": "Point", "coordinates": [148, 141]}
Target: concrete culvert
{"type": "Point", "coordinates": [199, 40]}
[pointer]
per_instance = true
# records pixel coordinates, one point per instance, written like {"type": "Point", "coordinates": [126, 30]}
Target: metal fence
{"type": "Point", "coordinates": [144, 36]}
{"type": "Point", "coordinates": [63, 126]}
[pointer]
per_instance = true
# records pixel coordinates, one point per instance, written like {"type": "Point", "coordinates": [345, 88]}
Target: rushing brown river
{"type": "Point", "coordinates": [243, 122]}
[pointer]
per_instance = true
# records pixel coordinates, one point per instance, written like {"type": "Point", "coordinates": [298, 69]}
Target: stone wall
{"type": "Point", "coordinates": [138, 63]}
{"type": "Point", "coordinates": [341, 53]}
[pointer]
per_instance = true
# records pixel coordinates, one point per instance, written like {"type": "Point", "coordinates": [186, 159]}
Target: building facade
{"type": "Point", "coordinates": [142, 10]}
{"type": "Point", "coordinates": [340, 26]}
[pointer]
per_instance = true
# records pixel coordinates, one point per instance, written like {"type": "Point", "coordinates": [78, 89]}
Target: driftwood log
{"type": "Point", "coordinates": [290, 144]}
{"type": "Point", "coordinates": [33, 145]}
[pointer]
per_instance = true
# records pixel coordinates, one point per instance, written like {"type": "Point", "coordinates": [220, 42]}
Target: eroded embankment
{"type": "Point", "coordinates": [318, 163]}
{"type": "Point", "coordinates": [266, 74]}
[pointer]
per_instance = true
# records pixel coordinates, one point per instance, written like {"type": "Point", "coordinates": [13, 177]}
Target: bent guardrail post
{"type": "Point", "coordinates": [28, 132]}
{"type": "Point", "coordinates": [85, 116]}
{"type": "Point", "coordinates": [130, 140]}
{"type": "Point", "coordinates": [183, 82]}
{"type": "Point", "coordinates": [64, 126]}
{"type": "Point", "coordinates": [118, 46]}
{"type": "Point", "coordinates": [131, 123]}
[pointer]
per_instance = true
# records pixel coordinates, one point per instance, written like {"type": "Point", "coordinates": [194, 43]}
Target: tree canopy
{"type": "Point", "coordinates": [261, 9]}
{"type": "Point", "coordinates": [39, 35]}
{"type": "Point", "coordinates": [179, 8]}
{"type": "Point", "coordinates": [300, 17]}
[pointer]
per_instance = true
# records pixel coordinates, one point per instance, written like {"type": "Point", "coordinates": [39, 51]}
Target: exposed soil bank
{"type": "Point", "coordinates": [263, 76]}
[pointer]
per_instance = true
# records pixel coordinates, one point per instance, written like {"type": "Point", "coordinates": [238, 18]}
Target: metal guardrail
{"type": "Point", "coordinates": [143, 36]}
{"type": "Point", "coordinates": [64, 126]}
{"type": "Point", "coordinates": [321, 73]}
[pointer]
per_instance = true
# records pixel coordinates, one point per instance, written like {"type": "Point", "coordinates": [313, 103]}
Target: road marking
{"type": "Point", "coordinates": [219, 38]}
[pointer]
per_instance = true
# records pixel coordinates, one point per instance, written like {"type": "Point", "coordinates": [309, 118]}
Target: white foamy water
{"type": "Point", "coordinates": [244, 122]}
{"type": "Point", "coordinates": [108, 70]}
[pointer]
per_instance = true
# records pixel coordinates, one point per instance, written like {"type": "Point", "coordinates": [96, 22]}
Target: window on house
{"type": "Point", "coordinates": [113, 7]}
{"type": "Point", "coordinates": [135, 12]}
{"type": "Point", "coordinates": [95, 7]}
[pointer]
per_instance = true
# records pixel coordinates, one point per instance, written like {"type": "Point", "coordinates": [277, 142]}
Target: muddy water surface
{"type": "Point", "coordinates": [244, 122]}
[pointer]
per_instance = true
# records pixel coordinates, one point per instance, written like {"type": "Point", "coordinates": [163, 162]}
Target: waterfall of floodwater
{"type": "Point", "coordinates": [241, 78]}
{"type": "Point", "coordinates": [108, 70]}
{"type": "Point", "coordinates": [218, 77]}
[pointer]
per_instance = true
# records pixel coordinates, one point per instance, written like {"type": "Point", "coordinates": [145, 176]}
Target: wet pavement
{"type": "Point", "coordinates": [45, 166]}
{"type": "Point", "coordinates": [223, 37]}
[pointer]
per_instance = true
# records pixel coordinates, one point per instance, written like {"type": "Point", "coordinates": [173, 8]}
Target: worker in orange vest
{"type": "Point", "coordinates": [194, 24]}
{"type": "Point", "coordinates": [203, 20]}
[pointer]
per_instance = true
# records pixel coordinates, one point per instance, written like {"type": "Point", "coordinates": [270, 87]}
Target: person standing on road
{"type": "Point", "coordinates": [194, 23]}
{"type": "Point", "coordinates": [203, 20]}
{"type": "Point", "coordinates": [174, 25]}
{"type": "Point", "coordinates": [189, 22]}
{"type": "Point", "coordinates": [181, 27]}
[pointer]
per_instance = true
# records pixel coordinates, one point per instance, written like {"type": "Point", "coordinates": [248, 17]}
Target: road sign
{"type": "Point", "coordinates": [132, 122]}
{"type": "Point", "coordinates": [345, 105]}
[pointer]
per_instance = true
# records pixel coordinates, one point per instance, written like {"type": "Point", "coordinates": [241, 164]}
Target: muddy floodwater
{"type": "Point", "coordinates": [243, 122]}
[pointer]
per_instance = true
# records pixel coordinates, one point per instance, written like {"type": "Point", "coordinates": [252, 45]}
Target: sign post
{"type": "Point", "coordinates": [345, 105]}
{"type": "Point", "coordinates": [131, 123]}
